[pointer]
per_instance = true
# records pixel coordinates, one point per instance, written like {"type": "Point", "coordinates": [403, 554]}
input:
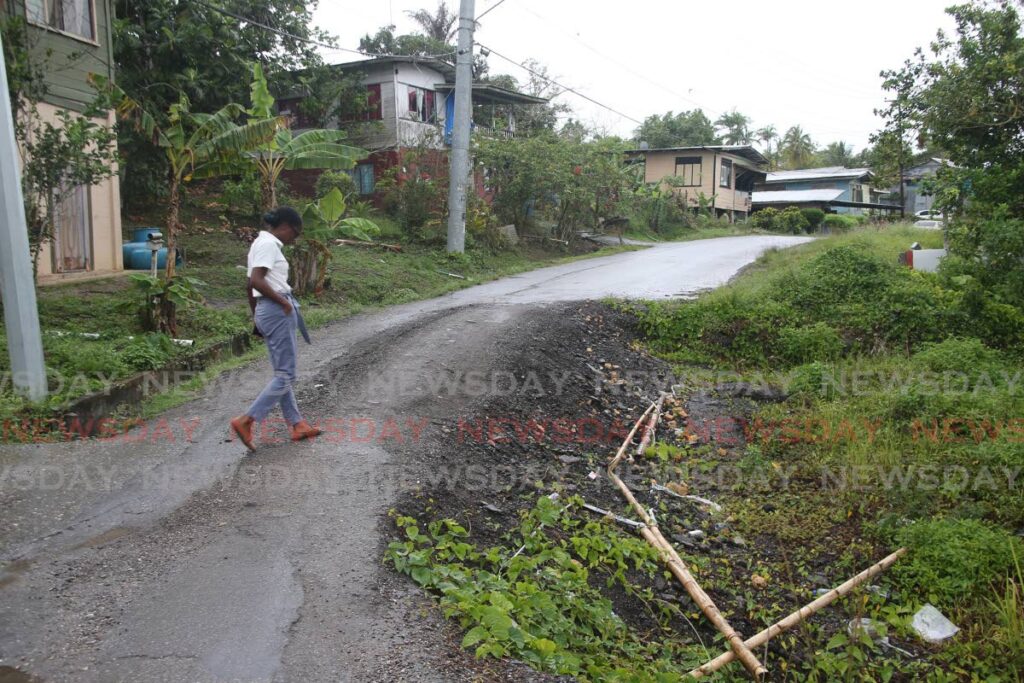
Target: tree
{"type": "Point", "coordinates": [311, 149]}
{"type": "Point", "coordinates": [531, 119]}
{"type": "Point", "coordinates": [837, 154]}
{"type": "Point", "coordinates": [966, 98]}
{"type": "Point", "coordinates": [767, 135]}
{"type": "Point", "coordinates": [797, 149]}
{"type": "Point", "coordinates": [677, 130]}
{"type": "Point", "coordinates": [56, 156]}
{"type": "Point", "coordinates": [384, 43]}
{"type": "Point", "coordinates": [166, 48]}
{"type": "Point", "coordinates": [736, 128]}
{"type": "Point", "coordinates": [441, 25]}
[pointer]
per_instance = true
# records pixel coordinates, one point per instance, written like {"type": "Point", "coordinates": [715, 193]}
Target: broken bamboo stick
{"type": "Point", "coordinates": [800, 615]}
{"type": "Point", "coordinates": [648, 437]}
{"type": "Point", "coordinates": [675, 563]}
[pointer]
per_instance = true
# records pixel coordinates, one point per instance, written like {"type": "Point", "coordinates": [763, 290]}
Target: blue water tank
{"type": "Point", "coordinates": [139, 238]}
{"type": "Point", "coordinates": [140, 259]}
{"type": "Point", "coordinates": [142, 234]}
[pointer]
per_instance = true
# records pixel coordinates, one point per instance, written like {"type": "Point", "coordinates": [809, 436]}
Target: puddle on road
{"type": "Point", "coordinates": [8, 674]}
{"type": "Point", "coordinates": [104, 538]}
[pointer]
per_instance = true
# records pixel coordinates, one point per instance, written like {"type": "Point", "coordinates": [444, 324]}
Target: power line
{"type": "Point", "coordinates": [554, 82]}
{"type": "Point", "coordinates": [619, 64]}
{"type": "Point", "coordinates": [488, 10]}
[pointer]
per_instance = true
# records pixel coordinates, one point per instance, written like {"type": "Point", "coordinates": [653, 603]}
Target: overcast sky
{"type": "Point", "coordinates": [784, 62]}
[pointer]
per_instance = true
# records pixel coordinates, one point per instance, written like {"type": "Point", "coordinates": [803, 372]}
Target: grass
{"type": "Point", "coordinates": [901, 427]}
{"type": "Point", "coordinates": [359, 279]}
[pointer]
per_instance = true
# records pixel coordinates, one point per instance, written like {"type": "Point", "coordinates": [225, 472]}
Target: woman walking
{"type": "Point", "coordinates": [276, 314]}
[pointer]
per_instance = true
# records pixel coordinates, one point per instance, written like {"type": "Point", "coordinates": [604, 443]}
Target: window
{"type": "Point", "coordinates": [421, 105]}
{"type": "Point", "coordinates": [374, 110]}
{"type": "Point", "coordinates": [371, 109]}
{"type": "Point", "coordinates": [688, 168]}
{"type": "Point", "coordinates": [72, 238]}
{"type": "Point", "coordinates": [362, 174]}
{"type": "Point", "coordinates": [71, 16]}
{"type": "Point", "coordinates": [726, 179]}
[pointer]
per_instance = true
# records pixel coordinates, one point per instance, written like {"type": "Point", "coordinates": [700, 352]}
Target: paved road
{"type": "Point", "coordinates": [169, 555]}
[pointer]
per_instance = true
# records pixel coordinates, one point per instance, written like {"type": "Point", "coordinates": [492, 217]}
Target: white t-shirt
{"type": "Point", "coordinates": [265, 252]}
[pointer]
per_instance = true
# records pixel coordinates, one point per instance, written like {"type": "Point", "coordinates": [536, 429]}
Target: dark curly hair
{"type": "Point", "coordinates": [286, 215]}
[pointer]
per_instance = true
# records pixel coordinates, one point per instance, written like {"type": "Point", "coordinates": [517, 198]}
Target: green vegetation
{"type": "Point", "coordinates": [541, 604]}
{"type": "Point", "coordinates": [901, 426]}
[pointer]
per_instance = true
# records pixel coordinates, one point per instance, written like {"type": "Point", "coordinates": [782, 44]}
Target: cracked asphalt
{"type": "Point", "coordinates": [169, 554]}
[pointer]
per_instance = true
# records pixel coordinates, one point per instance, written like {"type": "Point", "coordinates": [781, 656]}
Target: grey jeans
{"type": "Point", "coordinates": [278, 331]}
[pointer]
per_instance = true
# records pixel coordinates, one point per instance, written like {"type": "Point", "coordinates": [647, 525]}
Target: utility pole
{"type": "Point", "coordinates": [17, 283]}
{"type": "Point", "coordinates": [903, 196]}
{"type": "Point", "coordinates": [459, 164]}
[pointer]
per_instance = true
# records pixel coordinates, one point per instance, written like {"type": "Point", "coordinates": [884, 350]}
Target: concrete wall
{"type": "Point", "coordinates": [105, 214]}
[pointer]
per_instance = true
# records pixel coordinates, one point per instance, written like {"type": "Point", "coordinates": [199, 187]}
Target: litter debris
{"type": "Point", "coordinates": [871, 629]}
{"type": "Point", "coordinates": [621, 520]}
{"type": "Point", "coordinates": [697, 499]}
{"type": "Point", "coordinates": [696, 533]}
{"type": "Point", "coordinates": [593, 475]}
{"type": "Point", "coordinates": [932, 626]}
{"type": "Point", "coordinates": [490, 507]}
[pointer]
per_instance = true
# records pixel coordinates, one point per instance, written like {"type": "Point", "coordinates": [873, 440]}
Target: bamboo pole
{"type": "Point", "coordinates": [652, 423]}
{"type": "Point", "coordinates": [800, 615]}
{"type": "Point", "coordinates": [675, 563]}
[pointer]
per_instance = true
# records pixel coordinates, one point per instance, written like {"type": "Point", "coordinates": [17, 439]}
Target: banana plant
{"type": "Point", "coordinates": [311, 149]}
{"type": "Point", "coordinates": [324, 221]}
{"type": "Point", "coordinates": [195, 144]}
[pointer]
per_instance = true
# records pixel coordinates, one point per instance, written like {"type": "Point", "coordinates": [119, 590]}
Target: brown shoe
{"type": "Point", "coordinates": [242, 426]}
{"type": "Point", "coordinates": [303, 430]}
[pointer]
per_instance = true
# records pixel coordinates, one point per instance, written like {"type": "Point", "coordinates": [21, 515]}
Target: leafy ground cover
{"type": "Point", "coordinates": [834, 404]}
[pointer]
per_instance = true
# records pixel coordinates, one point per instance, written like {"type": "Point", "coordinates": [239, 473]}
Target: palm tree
{"type": "Point", "coordinates": [737, 128]}
{"type": "Point", "coordinates": [797, 148]}
{"type": "Point", "coordinates": [766, 135]}
{"type": "Point", "coordinates": [440, 25]}
{"type": "Point", "coordinates": [311, 149]}
{"type": "Point", "coordinates": [838, 154]}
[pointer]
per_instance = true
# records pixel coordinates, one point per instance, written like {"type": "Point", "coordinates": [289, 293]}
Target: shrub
{"type": "Point", "coordinates": [952, 560]}
{"type": "Point", "coordinates": [835, 222]}
{"type": "Point", "coordinates": [812, 380]}
{"type": "Point", "coordinates": [819, 341]}
{"type": "Point", "coordinates": [814, 218]}
{"type": "Point", "coordinates": [329, 180]}
{"type": "Point", "coordinates": [967, 356]}
{"type": "Point", "coordinates": [765, 219]}
{"type": "Point", "coordinates": [242, 195]}
{"type": "Point", "coordinates": [792, 220]}
{"type": "Point", "coordinates": [148, 352]}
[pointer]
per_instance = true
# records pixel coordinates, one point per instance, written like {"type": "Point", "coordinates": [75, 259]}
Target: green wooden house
{"type": "Point", "coordinates": [72, 38]}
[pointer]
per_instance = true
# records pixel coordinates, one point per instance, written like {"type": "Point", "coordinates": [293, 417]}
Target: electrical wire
{"type": "Point", "coordinates": [488, 10]}
{"type": "Point", "coordinates": [560, 85]}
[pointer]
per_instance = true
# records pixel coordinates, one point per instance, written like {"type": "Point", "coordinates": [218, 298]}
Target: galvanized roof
{"type": "Point", "coordinates": [746, 151]}
{"type": "Point", "coordinates": [794, 196]}
{"type": "Point", "coordinates": [817, 173]}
